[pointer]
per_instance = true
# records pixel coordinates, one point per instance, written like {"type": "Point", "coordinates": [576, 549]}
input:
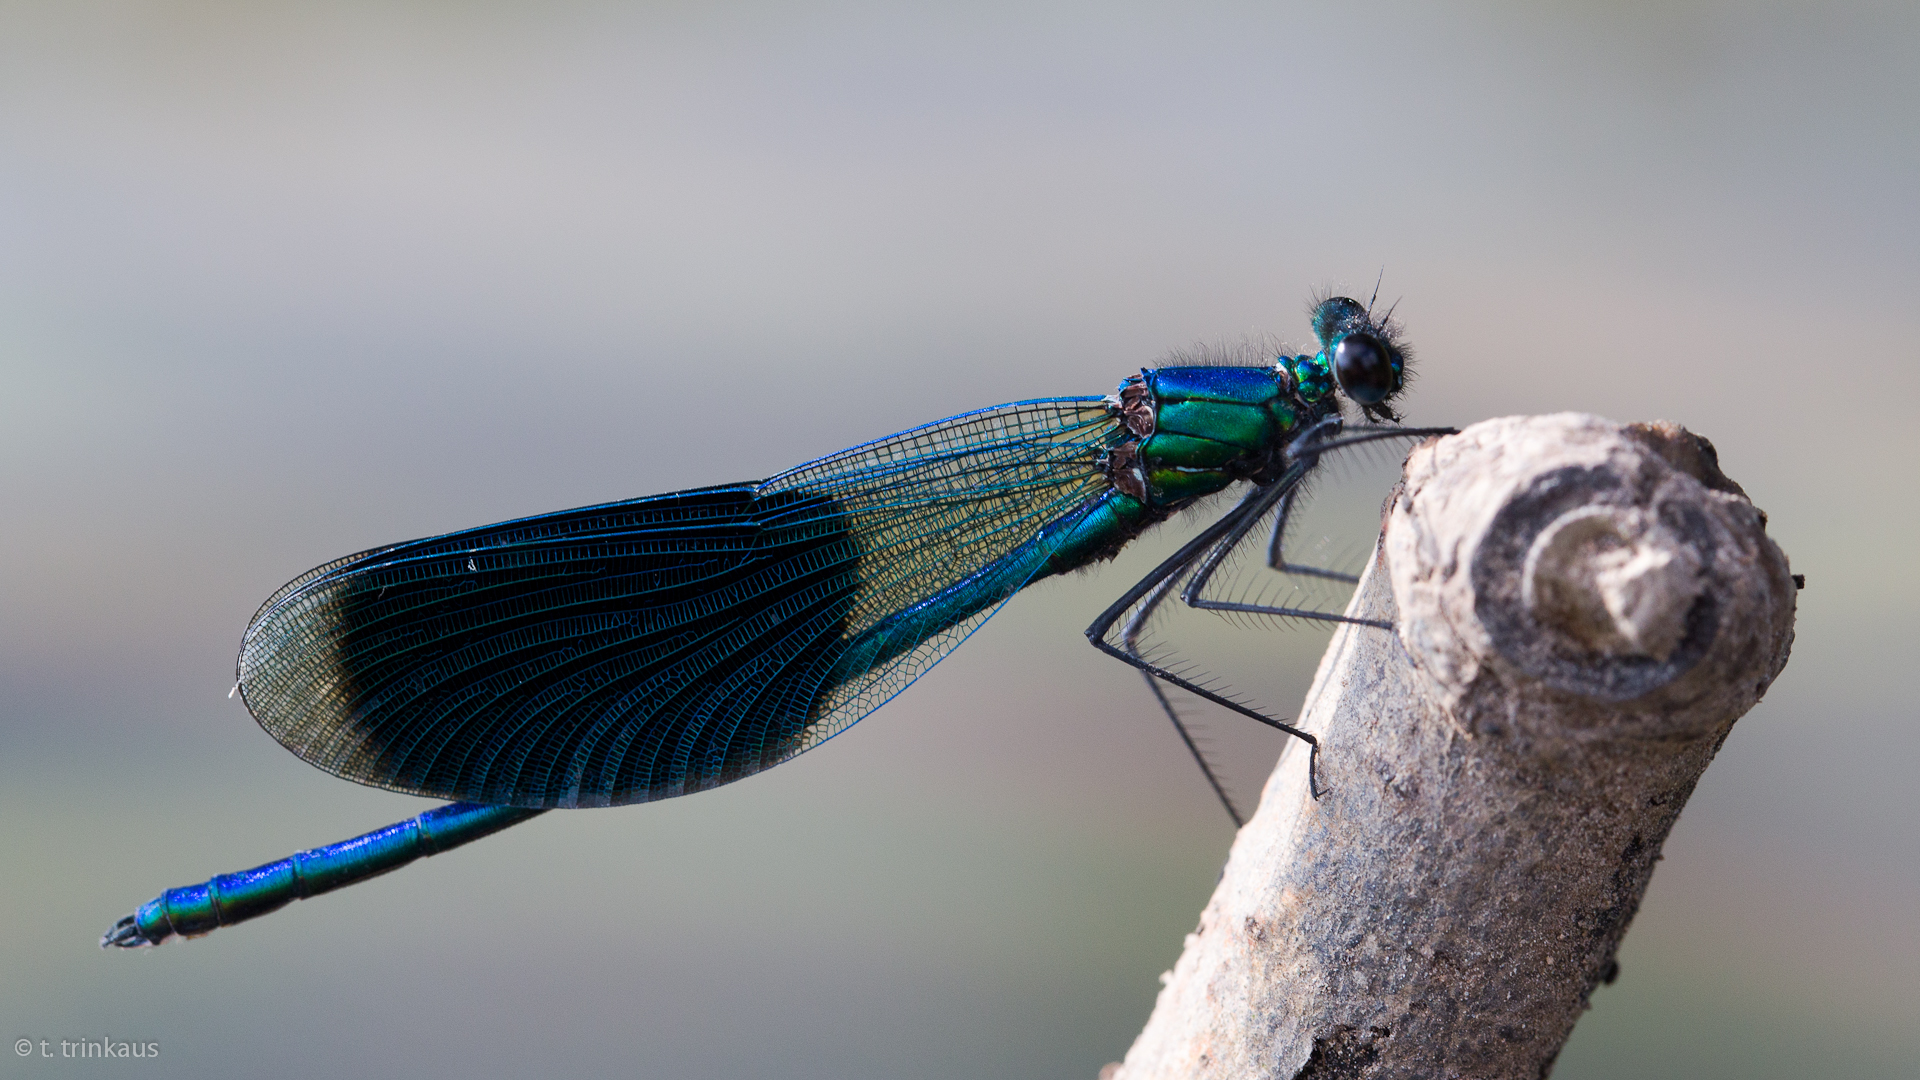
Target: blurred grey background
{"type": "Point", "coordinates": [283, 281]}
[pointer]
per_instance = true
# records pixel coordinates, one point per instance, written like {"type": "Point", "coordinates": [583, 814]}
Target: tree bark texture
{"type": "Point", "coordinates": [1582, 611]}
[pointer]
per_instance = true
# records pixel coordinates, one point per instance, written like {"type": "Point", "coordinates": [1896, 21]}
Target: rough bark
{"type": "Point", "coordinates": [1582, 611]}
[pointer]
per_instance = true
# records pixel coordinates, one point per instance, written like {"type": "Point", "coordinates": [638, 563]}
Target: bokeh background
{"type": "Point", "coordinates": [283, 281]}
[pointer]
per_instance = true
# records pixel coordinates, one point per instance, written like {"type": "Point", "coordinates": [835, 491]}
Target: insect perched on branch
{"type": "Point", "coordinates": [649, 648]}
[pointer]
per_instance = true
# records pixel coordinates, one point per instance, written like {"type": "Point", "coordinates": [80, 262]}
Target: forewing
{"type": "Point", "coordinates": [647, 648]}
{"type": "Point", "coordinates": [948, 518]}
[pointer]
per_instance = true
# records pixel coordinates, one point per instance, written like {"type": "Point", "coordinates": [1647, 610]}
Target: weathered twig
{"type": "Point", "coordinates": [1583, 610]}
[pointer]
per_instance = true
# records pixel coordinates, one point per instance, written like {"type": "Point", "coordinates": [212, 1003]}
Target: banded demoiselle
{"type": "Point", "coordinates": [649, 648]}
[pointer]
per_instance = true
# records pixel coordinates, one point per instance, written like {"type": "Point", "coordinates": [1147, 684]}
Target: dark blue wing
{"type": "Point", "coordinates": [644, 649]}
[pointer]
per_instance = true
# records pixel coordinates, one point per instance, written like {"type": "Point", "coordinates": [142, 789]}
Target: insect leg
{"type": "Point", "coordinates": [1256, 503]}
{"type": "Point", "coordinates": [1130, 641]}
{"type": "Point", "coordinates": [1276, 558]}
{"type": "Point", "coordinates": [1306, 455]}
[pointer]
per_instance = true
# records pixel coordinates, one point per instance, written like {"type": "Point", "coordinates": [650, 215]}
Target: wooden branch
{"type": "Point", "coordinates": [1583, 609]}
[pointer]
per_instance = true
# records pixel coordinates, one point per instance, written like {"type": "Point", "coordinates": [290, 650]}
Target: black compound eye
{"type": "Point", "coordinates": [1364, 368]}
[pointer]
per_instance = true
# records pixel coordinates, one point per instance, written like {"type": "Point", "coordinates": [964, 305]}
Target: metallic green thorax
{"type": "Point", "coordinates": [1188, 432]}
{"type": "Point", "coordinates": [1210, 426]}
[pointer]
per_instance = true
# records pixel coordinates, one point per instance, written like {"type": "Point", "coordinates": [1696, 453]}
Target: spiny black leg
{"type": "Point", "coordinates": [1137, 624]}
{"type": "Point", "coordinates": [1130, 640]}
{"type": "Point", "coordinates": [1250, 508]}
{"type": "Point", "coordinates": [1307, 453]}
{"type": "Point", "coordinates": [1304, 453]}
{"type": "Point", "coordinates": [1313, 744]}
{"type": "Point", "coordinates": [1193, 748]}
{"type": "Point", "coordinates": [1257, 505]}
{"type": "Point", "coordinates": [1205, 552]}
{"type": "Point", "coordinates": [1191, 596]}
{"type": "Point", "coordinates": [1276, 558]}
{"type": "Point", "coordinates": [1170, 566]}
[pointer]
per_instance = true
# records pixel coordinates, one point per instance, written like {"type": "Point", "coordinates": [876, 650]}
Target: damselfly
{"type": "Point", "coordinates": [644, 649]}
